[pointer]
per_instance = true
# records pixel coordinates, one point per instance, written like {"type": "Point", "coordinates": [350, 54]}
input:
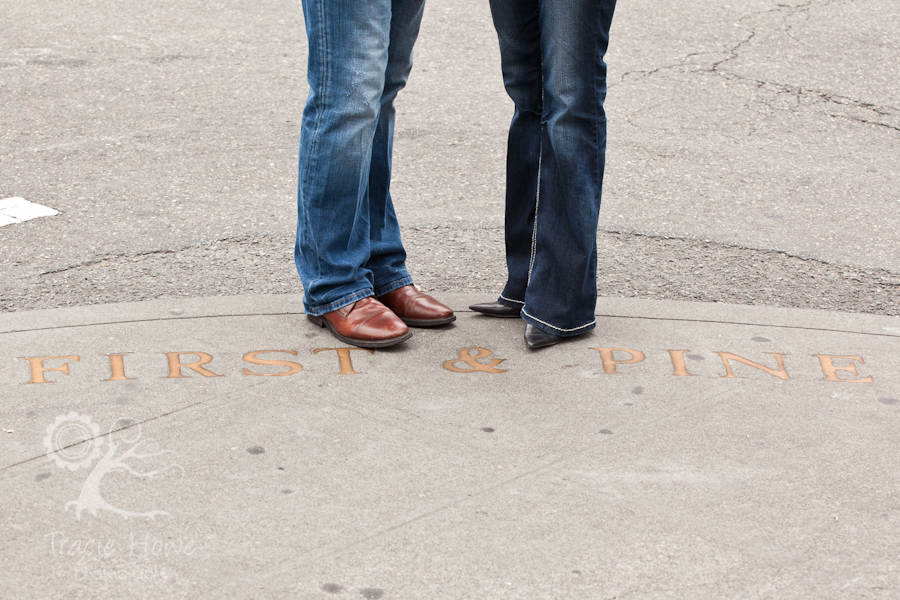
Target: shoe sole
{"type": "Point", "coordinates": [372, 344]}
{"type": "Point", "coordinates": [496, 316]}
{"type": "Point", "coordinates": [429, 322]}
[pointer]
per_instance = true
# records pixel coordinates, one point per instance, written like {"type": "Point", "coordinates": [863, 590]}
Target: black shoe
{"type": "Point", "coordinates": [495, 309]}
{"type": "Point", "coordinates": [538, 338]}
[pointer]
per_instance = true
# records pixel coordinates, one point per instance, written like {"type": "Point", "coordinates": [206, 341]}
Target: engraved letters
{"type": "Point", "coordinates": [344, 358]}
{"type": "Point", "coordinates": [253, 359]}
{"type": "Point", "coordinates": [677, 357]}
{"type": "Point", "coordinates": [175, 364]}
{"type": "Point", "coordinates": [38, 369]}
{"type": "Point", "coordinates": [117, 368]}
{"type": "Point", "coordinates": [610, 363]}
{"type": "Point", "coordinates": [838, 368]}
{"type": "Point", "coordinates": [466, 356]}
{"type": "Point", "coordinates": [830, 370]}
{"type": "Point", "coordinates": [727, 357]}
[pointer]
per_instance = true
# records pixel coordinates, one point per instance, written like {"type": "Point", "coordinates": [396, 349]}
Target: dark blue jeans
{"type": "Point", "coordinates": [348, 239]}
{"type": "Point", "coordinates": [552, 58]}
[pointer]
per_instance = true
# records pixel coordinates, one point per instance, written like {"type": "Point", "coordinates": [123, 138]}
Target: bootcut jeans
{"type": "Point", "coordinates": [348, 243]}
{"type": "Point", "coordinates": [552, 60]}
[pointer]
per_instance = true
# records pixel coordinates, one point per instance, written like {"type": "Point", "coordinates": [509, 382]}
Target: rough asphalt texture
{"type": "Point", "coordinates": [449, 260]}
{"type": "Point", "coordinates": [753, 158]}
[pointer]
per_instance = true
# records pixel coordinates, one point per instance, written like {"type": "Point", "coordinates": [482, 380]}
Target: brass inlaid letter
{"type": "Point", "coordinates": [610, 363]}
{"type": "Point", "coordinates": [38, 369]}
{"type": "Point", "coordinates": [254, 360]}
{"type": "Point", "coordinates": [117, 368]}
{"type": "Point", "coordinates": [175, 365]}
{"type": "Point", "coordinates": [781, 372]}
{"type": "Point", "coordinates": [466, 356]}
{"type": "Point", "coordinates": [677, 357]}
{"type": "Point", "coordinates": [344, 358]}
{"type": "Point", "coordinates": [830, 370]}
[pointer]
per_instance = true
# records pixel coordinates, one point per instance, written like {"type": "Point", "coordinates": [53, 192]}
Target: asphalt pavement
{"type": "Point", "coordinates": [160, 130]}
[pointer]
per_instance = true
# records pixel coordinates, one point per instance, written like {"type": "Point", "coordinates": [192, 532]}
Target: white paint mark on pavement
{"type": "Point", "coordinates": [17, 210]}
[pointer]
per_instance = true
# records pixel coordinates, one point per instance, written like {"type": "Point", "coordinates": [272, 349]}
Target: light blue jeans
{"type": "Point", "coordinates": [348, 239]}
{"type": "Point", "coordinates": [552, 57]}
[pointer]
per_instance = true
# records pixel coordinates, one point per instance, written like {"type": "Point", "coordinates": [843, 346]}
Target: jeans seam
{"type": "Point", "coordinates": [594, 322]}
{"type": "Point", "coordinates": [323, 49]}
{"type": "Point", "coordinates": [537, 204]}
{"type": "Point", "coordinates": [595, 106]}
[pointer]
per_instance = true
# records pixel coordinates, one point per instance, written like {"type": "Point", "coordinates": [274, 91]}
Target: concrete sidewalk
{"type": "Point", "coordinates": [679, 451]}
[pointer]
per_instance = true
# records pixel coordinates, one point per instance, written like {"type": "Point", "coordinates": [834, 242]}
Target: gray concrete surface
{"type": "Point", "coordinates": [551, 479]}
{"type": "Point", "coordinates": [159, 130]}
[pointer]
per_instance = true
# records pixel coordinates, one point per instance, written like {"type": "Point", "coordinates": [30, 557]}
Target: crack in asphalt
{"type": "Point", "coordinates": [818, 96]}
{"type": "Point", "coordinates": [112, 257]}
{"type": "Point", "coordinates": [858, 120]}
{"type": "Point", "coordinates": [799, 92]}
{"type": "Point", "coordinates": [630, 265]}
{"type": "Point", "coordinates": [732, 53]}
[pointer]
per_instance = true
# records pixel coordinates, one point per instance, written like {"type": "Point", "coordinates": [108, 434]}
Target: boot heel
{"type": "Point", "coordinates": [320, 321]}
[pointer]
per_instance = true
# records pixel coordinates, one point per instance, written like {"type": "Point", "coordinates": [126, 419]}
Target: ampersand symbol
{"type": "Point", "coordinates": [466, 356]}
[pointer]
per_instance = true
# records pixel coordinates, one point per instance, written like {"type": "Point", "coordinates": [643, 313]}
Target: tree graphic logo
{"type": "Point", "coordinates": [74, 442]}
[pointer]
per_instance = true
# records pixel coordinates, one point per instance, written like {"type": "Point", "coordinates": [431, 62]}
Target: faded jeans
{"type": "Point", "coordinates": [348, 243]}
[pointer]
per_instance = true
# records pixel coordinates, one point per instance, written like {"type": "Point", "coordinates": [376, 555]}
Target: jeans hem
{"type": "Point", "coordinates": [561, 332]}
{"type": "Point", "coordinates": [394, 285]}
{"type": "Point", "coordinates": [338, 304]}
{"type": "Point", "coordinates": [509, 302]}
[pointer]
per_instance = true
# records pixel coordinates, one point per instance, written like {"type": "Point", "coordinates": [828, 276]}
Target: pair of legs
{"type": "Point", "coordinates": [348, 250]}
{"type": "Point", "coordinates": [552, 59]}
{"type": "Point", "coordinates": [348, 239]}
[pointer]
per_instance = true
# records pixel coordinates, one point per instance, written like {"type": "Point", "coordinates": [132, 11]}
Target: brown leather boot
{"type": "Point", "coordinates": [417, 309]}
{"type": "Point", "coordinates": [366, 323]}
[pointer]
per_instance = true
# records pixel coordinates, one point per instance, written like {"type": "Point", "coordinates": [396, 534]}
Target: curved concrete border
{"type": "Point", "coordinates": [225, 447]}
